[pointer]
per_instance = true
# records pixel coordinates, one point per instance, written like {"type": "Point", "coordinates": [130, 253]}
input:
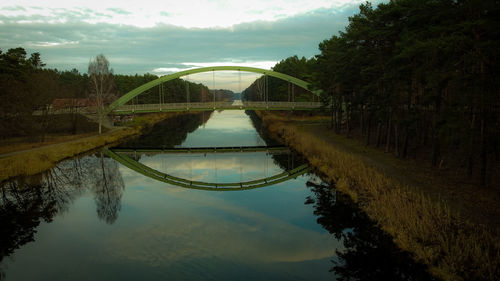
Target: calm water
{"type": "Point", "coordinates": [92, 218]}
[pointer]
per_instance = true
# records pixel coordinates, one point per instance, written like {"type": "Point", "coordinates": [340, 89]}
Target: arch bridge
{"type": "Point", "coordinates": [119, 106]}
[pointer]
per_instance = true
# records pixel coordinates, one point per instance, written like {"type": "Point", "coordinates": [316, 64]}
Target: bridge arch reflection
{"type": "Point", "coordinates": [120, 155]}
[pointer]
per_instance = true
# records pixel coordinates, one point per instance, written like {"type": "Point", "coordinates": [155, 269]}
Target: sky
{"type": "Point", "coordinates": [163, 37]}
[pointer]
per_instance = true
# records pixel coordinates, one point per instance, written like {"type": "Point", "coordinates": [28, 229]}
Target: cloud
{"type": "Point", "coordinates": [148, 13]}
{"type": "Point", "coordinates": [14, 8]}
{"type": "Point", "coordinates": [119, 11]}
{"type": "Point", "coordinates": [67, 37]}
{"type": "Point", "coordinates": [218, 167]}
{"type": "Point", "coordinates": [198, 230]}
{"type": "Point", "coordinates": [255, 238]}
{"type": "Point", "coordinates": [53, 44]}
{"type": "Point", "coordinates": [167, 70]}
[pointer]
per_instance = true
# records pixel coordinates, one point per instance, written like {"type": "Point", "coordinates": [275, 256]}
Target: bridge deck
{"type": "Point", "coordinates": [203, 106]}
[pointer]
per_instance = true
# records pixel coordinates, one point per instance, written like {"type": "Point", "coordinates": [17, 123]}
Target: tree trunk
{"type": "Point", "coordinates": [388, 139]}
{"type": "Point", "coordinates": [396, 140]}
{"type": "Point", "coordinates": [348, 120]}
{"type": "Point", "coordinates": [470, 156]}
{"type": "Point", "coordinates": [44, 125]}
{"type": "Point", "coordinates": [379, 132]}
{"type": "Point", "coordinates": [368, 128]}
{"type": "Point", "coordinates": [100, 124]}
{"type": "Point", "coordinates": [484, 155]}
{"type": "Point", "coordinates": [436, 149]}
{"type": "Point", "coordinates": [333, 115]}
{"type": "Point", "coordinates": [436, 144]}
{"type": "Point", "coordinates": [425, 135]}
{"type": "Point", "coordinates": [361, 120]}
{"type": "Point", "coordinates": [341, 117]}
{"type": "Point", "coordinates": [405, 142]}
{"type": "Point", "coordinates": [338, 116]}
{"type": "Point", "coordinates": [495, 148]}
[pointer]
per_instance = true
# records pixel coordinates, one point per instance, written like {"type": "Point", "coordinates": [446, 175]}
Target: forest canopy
{"type": "Point", "coordinates": [419, 78]}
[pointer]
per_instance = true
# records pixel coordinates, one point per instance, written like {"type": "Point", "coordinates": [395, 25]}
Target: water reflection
{"type": "Point", "coordinates": [170, 132]}
{"type": "Point", "coordinates": [28, 201]}
{"type": "Point", "coordinates": [225, 128]}
{"type": "Point", "coordinates": [214, 167]}
{"type": "Point", "coordinates": [108, 189]}
{"type": "Point", "coordinates": [368, 252]}
{"type": "Point", "coordinates": [149, 230]}
{"type": "Point", "coordinates": [192, 169]}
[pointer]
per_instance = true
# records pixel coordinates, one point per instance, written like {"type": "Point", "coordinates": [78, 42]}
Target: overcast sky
{"type": "Point", "coordinates": [163, 37]}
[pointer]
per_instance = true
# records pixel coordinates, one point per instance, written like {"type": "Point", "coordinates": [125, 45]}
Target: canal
{"type": "Point", "coordinates": [92, 217]}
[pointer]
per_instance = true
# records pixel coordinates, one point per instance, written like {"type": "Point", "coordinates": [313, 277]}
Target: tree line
{"type": "Point", "coordinates": [27, 86]}
{"type": "Point", "coordinates": [267, 88]}
{"type": "Point", "coordinates": [418, 78]}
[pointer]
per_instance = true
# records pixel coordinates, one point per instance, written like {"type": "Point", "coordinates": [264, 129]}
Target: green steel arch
{"type": "Point", "coordinates": [234, 186]}
{"type": "Point", "coordinates": [139, 90]}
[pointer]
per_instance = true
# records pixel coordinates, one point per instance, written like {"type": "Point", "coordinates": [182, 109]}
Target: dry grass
{"type": "Point", "coordinates": [19, 144]}
{"type": "Point", "coordinates": [453, 248]}
{"type": "Point", "coordinates": [33, 161]}
{"type": "Point", "coordinates": [38, 160]}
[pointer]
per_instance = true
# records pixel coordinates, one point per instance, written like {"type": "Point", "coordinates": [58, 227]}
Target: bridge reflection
{"type": "Point", "coordinates": [129, 157]}
{"type": "Point", "coordinates": [156, 150]}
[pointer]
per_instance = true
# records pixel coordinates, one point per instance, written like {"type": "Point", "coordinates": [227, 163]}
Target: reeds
{"type": "Point", "coordinates": [452, 247]}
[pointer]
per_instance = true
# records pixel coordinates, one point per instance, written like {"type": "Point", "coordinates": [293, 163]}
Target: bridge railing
{"type": "Point", "coordinates": [169, 106]}
{"type": "Point", "coordinates": [216, 105]}
{"type": "Point", "coordinates": [281, 104]}
{"type": "Point", "coordinates": [67, 110]}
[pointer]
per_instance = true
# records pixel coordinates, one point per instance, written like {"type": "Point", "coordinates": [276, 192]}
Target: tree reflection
{"type": "Point", "coordinates": [108, 190]}
{"type": "Point", "coordinates": [27, 201]}
{"type": "Point", "coordinates": [288, 161]}
{"type": "Point", "coordinates": [369, 253]}
{"type": "Point", "coordinates": [257, 124]}
{"type": "Point", "coordinates": [178, 127]}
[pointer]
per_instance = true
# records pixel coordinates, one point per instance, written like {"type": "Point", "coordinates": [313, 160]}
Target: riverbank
{"type": "Point", "coordinates": [41, 158]}
{"type": "Point", "coordinates": [449, 242]}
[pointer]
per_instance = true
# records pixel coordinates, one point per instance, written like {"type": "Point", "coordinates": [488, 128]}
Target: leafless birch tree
{"type": "Point", "coordinates": [101, 84]}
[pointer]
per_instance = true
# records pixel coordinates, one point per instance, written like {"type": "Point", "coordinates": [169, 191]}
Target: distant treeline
{"type": "Point", "coordinates": [268, 88]}
{"type": "Point", "coordinates": [27, 86]}
{"type": "Point", "coordinates": [176, 90]}
{"type": "Point", "coordinates": [416, 78]}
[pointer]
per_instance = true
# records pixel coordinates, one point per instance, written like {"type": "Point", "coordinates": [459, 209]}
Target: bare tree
{"type": "Point", "coordinates": [101, 84]}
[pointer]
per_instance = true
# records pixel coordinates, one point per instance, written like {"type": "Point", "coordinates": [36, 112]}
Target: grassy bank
{"type": "Point", "coordinates": [39, 159]}
{"type": "Point", "coordinates": [454, 248]}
